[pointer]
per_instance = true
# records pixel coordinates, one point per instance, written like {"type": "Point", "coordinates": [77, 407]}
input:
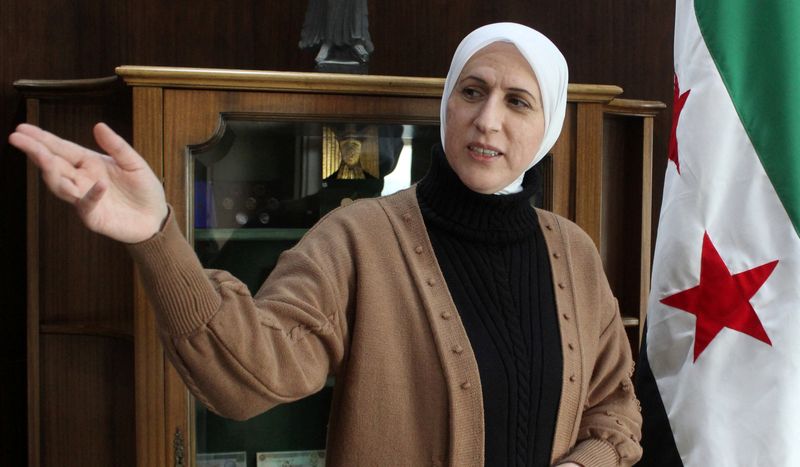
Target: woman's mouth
{"type": "Point", "coordinates": [484, 153]}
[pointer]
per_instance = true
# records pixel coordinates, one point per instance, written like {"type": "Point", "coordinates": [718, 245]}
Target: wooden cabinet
{"type": "Point", "coordinates": [80, 300]}
{"type": "Point", "coordinates": [598, 175]}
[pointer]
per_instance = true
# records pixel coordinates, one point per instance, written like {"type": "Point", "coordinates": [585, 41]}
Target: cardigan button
{"type": "Point", "coordinates": [418, 250]}
{"type": "Point", "coordinates": [431, 281]}
{"type": "Point", "coordinates": [548, 227]}
{"type": "Point", "coordinates": [561, 285]}
{"type": "Point", "coordinates": [466, 385]}
{"type": "Point", "coordinates": [571, 346]}
{"type": "Point", "coordinates": [556, 255]}
{"type": "Point", "coordinates": [571, 378]}
{"type": "Point", "coordinates": [458, 349]}
{"type": "Point", "coordinates": [446, 315]}
{"type": "Point", "coordinates": [565, 316]}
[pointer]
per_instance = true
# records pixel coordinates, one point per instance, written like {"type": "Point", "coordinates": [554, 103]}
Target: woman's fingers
{"type": "Point", "coordinates": [67, 150]}
{"type": "Point", "coordinates": [58, 173]}
{"type": "Point", "coordinates": [117, 147]}
{"type": "Point", "coordinates": [88, 202]}
{"type": "Point", "coordinates": [40, 145]}
{"type": "Point", "coordinates": [35, 150]}
{"type": "Point", "coordinates": [63, 187]}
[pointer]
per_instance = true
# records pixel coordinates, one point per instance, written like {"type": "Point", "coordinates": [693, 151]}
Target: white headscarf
{"type": "Point", "coordinates": [547, 64]}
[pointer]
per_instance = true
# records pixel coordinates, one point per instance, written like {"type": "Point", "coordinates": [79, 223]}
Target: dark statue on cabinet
{"type": "Point", "coordinates": [340, 28]}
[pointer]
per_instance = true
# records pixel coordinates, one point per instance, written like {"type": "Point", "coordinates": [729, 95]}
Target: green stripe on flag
{"type": "Point", "coordinates": [756, 48]}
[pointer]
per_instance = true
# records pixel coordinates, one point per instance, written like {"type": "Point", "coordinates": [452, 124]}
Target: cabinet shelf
{"type": "Point", "coordinates": [276, 234]}
{"type": "Point", "coordinates": [629, 322]}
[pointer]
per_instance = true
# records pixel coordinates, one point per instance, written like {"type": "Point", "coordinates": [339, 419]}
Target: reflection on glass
{"type": "Point", "coordinates": [258, 186]}
{"type": "Point", "coordinates": [351, 153]}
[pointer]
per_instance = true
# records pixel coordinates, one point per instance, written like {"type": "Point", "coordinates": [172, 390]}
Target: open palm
{"type": "Point", "coordinates": [116, 195]}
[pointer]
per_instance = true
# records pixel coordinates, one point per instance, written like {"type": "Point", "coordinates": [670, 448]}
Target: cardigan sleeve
{"type": "Point", "coordinates": [610, 426]}
{"type": "Point", "coordinates": [240, 354]}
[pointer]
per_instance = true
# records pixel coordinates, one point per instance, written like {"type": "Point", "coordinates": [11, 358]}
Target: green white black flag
{"type": "Point", "coordinates": [723, 332]}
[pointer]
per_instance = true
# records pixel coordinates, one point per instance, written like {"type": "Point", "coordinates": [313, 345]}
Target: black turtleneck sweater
{"type": "Point", "coordinates": [494, 259]}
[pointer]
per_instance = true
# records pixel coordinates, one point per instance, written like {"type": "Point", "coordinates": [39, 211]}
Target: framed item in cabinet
{"type": "Point", "coordinates": [254, 189]}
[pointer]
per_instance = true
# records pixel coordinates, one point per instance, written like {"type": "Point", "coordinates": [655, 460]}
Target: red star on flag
{"type": "Point", "coordinates": [721, 299]}
{"type": "Point", "coordinates": [677, 106]}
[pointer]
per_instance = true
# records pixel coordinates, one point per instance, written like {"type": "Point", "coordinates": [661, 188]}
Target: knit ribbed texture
{"type": "Point", "coordinates": [170, 268]}
{"type": "Point", "coordinates": [595, 452]}
{"type": "Point", "coordinates": [494, 260]}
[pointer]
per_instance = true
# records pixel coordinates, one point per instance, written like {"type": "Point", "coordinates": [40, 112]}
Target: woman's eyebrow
{"type": "Point", "coordinates": [524, 91]}
{"type": "Point", "coordinates": [475, 78]}
{"type": "Point", "coordinates": [486, 83]}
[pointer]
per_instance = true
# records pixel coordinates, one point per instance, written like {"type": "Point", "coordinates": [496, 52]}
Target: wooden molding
{"type": "Point", "coordinates": [208, 78]}
{"type": "Point", "coordinates": [634, 107]}
{"type": "Point", "coordinates": [33, 266]}
{"type": "Point", "coordinates": [88, 329]}
{"type": "Point", "coordinates": [68, 88]}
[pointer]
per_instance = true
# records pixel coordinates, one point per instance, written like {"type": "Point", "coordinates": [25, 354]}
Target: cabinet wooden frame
{"type": "Point", "coordinates": [80, 338]}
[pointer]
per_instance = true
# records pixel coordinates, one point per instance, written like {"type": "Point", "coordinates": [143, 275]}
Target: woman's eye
{"type": "Point", "coordinates": [470, 93]}
{"type": "Point", "coordinates": [518, 102]}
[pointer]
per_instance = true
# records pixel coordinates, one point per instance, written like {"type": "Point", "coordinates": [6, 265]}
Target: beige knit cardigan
{"type": "Point", "coordinates": [361, 297]}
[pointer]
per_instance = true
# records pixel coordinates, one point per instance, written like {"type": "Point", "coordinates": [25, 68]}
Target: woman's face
{"type": "Point", "coordinates": [495, 122]}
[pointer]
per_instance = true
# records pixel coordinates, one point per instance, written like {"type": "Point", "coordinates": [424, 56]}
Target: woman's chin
{"type": "Point", "coordinates": [482, 186]}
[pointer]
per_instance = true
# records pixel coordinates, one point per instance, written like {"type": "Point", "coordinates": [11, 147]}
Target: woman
{"type": "Point", "coordinates": [463, 327]}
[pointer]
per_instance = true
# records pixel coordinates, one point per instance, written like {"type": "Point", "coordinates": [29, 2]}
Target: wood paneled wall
{"type": "Point", "coordinates": [622, 42]}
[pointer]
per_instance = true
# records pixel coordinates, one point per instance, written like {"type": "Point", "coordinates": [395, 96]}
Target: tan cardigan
{"type": "Point", "coordinates": [361, 297]}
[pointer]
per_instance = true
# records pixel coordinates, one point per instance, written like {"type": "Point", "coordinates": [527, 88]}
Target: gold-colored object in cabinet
{"type": "Point", "coordinates": [350, 154]}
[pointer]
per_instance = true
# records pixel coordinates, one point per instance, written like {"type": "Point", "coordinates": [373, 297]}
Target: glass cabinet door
{"type": "Point", "coordinates": [257, 187]}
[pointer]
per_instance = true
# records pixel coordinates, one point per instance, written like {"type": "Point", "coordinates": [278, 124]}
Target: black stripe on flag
{"type": "Point", "coordinates": [657, 440]}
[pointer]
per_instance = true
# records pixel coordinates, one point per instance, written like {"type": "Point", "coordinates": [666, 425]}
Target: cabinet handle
{"type": "Point", "coordinates": [177, 444]}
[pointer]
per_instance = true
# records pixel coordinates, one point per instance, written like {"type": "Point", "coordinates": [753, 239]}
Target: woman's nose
{"type": "Point", "coordinates": [489, 118]}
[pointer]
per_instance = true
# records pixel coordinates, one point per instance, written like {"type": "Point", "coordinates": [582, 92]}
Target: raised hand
{"type": "Point", "coordinates": [116, 195]}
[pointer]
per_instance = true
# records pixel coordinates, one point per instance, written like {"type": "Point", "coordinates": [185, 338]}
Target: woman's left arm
{"type": "Point", "coordinates": [611, 414]}
{"type": "Point", "coordinates": [608, 414]}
